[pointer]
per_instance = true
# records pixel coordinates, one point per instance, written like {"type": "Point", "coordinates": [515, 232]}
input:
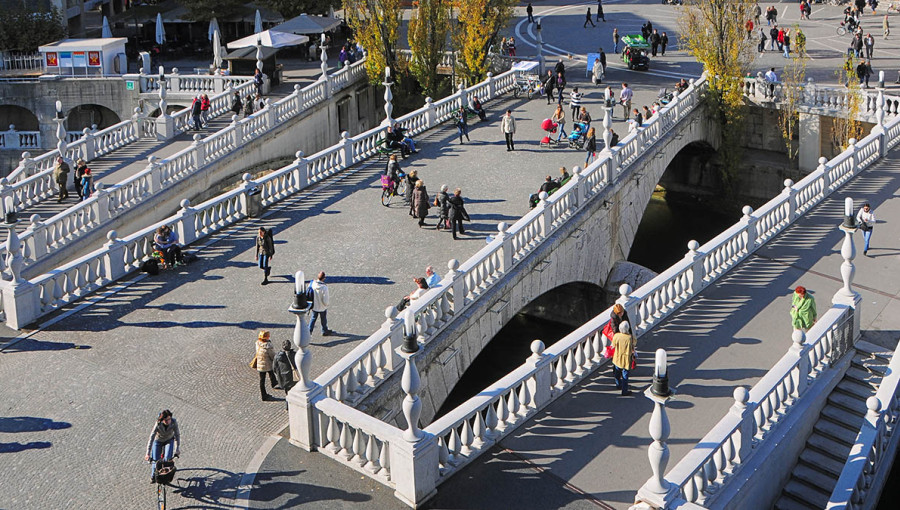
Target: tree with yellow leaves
{"type": "Point", "coordinates": [376, 25]}
{"type": "Point", "coordinates": [428, 28]}
{"type": "Point", "coordinates": [480, 22]}
{"type": "Point", "coordinates": [793, 77]}
{"type": "Point", "coordinates": [713, 32]}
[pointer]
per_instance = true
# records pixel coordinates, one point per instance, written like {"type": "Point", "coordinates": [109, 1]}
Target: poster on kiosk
{"type": "Point", "coordinates": [85, 57]}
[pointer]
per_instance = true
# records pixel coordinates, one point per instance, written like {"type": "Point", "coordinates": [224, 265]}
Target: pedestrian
{"type": "Point", "coordinates": [432, 278]}
{"type": "Point", "coordinates": [420, 203]}
{"type": "Point", "coordinates": [613, 138]}
{"type": "Point", "coordinates": [597, 70]}
{"type": "Point", "coordinates": [248, 106]}
{"type": "Point", "coordinates": [163, 445]}
{"type": "Point", "coordinates": [458, 212]}
{"type": "Point", "coordinates": [318, 291]}
{"type": "Point", "coordinates": [803, 9]}
{"type": "Point", "coordinates": [886, 26]}
{"type": "Point", "coordinates": [61, 176]}
{"type": "Point", "coordinates": [637, 117]}
{"type": "Point", "coordinates": [87, 185]}
{"type": "Point", "coordinates": [771, 80]}
{"type": "Point", "coordinates": [204, 109]}
{"type": "Point", "coordinates": [858, 45]}
{"type": "Point", "coordinates": [258, 81]}
{"type": "Point", "coordinates": [590, 146]}
{"type": "Point", "coordinates": [623, 357]}
{"type": "Point", "coordinates": [504, 47]}
{"type": "Point", "coordinates": [869, 43]}
{"type": "Point", "coordinates": [511, 46]}
{"type": "Point", "coordinates": [786, 42]}
{"type": "Point", "coordinates": [625, 96]}
{"type": "Point", "coordinates": [654, 43]}
{"type": "Point", "coordinates": [615, 37]}
{"type": "Point", "coordinates": [265, 251]}
{"type": "Point", "coordinates": [560, 68]}
{"type": "Point", "coordinates": [559, 118]}
{"type": "Point", "coordinates": [575, 102]}
{"type": "Point", "coordinates": [609, 99]}
{"type": "Point", "coordinates": [600, 14]}
{"type": "Point", "coordinates": [560, 86]}
{"type": "Point", "coordinates": [195, 113]}
{"type": "Point", "coordinates": [259, 102]}
{"type": "Point", "coordinates": [549, 84]}
{"type": "Point", "coordinates": [803, 309]}
{"type": "Point", "coordinates": [773, 36]}
{"type": "Point", "coordinates": [761, 47]}
{"type": "Point", "coordinates": [508, 127]}
{"type": "Point", "coordinates": [262, 362]}
{"type": "Point", "coordinates": [757, 11]}
{"type": "Point", "coordinates": [441, 201]}
{"type": "Point", "coordinates": [283, 366]}
{"type": "Point", "coordinates": [800, 39]}
{"type": "Point", "coordinates": [863, 72]}
{"type": "Point", "coordinates": [462, 125]}
{"type": "Point", "coordinates": [589, 20]}
{"type": "Point", "coordinates": [772, 15]}
{"type": "Point", "coordinates": [779, 39]}
{"type": "Point", "coordinates": [236, 103]}
{"type": "Point", "coordinates": [647, 113]}
{"type": "Point", "coordinates": [530, 11]}
{"type": "Point", "coordinates": [663, 42]}
{"type": "Point", "coordinates": [411, 179]}
{"type": "Point", "coordinates": [602, 59]}
{"type": "Point", "coordinates": [80, 167]}
{"type": "Point", "coordinates": [866, 220]}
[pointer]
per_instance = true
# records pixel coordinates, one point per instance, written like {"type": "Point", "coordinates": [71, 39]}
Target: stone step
{"type": "Point", "coordinates": [824, 454]}
{"type": "Point", "coordinates": [787, 502]}
{"type": "Point", "coordinates": [850, 387]}
{"type": "Point", "coordinates": [842, 417]}
{"type": "Point", "coordinates": [850, 403]}
{"type": "Point", "coordinates": [863, 376]}
{"type": "Point", "coordinates": [812, 476]}
{"type": "Point", "coordinates": [836, 432]}
{"type": "Point", "coordinates": [875, 351]}
{"type": "Point", "coordinates": [810, 495]}
{"type": "Point", "coordinates": [869, 364]}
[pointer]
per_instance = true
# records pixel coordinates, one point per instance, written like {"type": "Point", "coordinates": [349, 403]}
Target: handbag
{"type": "Point", "coordinates": [609, 352]}
{"type": "Point", "coordinates": [608, 330]}
{"type": "Point", "coordinates": [253, 362]}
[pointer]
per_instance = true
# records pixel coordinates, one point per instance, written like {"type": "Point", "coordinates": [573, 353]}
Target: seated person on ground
{"type": "Point", "coordinates": [681, 86]}
{"type": "Point", "coordinates": [548, 186]}
{"type": "Point", "coordinates": [477, 107]}
{"type": "Point", "coordinates": [166, 241]}
{"type": "Point", "coordinates": [421, 288]}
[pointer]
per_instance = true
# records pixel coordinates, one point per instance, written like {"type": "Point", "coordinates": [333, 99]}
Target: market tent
{"type": "Point", "coordinates": [269, 38]}
{"type": "Point", "coordinates": [242, 61]}
{"type": "Point", "coordinates": [305, 24]}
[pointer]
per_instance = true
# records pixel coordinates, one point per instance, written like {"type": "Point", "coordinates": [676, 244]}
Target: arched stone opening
{"type": "Point", "coordinates": [170, 109]}
{"type": "Point", "coordinates": [22, 118]}
{"type": "Point", "coordinates": [549, 317]}
{"type": "Point", "coordinates": [89, 115]}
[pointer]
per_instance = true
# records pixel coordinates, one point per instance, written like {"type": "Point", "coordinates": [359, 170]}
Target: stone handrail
{"type": "Point", "coordinates": [78, 278]}
{"type": "Point", "coordinates": [875, 442]}
{"type": "Point", "coordinates": [13, 139]}
{"type": "Point", "coordinates": [189, 83]}
{"type": "Point", "coordinates": [812, 95]}
{"type": "Point", "coordinates": [755, 414]}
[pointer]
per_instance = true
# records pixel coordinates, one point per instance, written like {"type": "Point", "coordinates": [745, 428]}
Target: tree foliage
{"type": "Point", "coordinates": [846, 125]}
{"type": "Point", "coordinates": [793, 86]}
{"type": "Point", "coordinates": [479, 23]}
{"type": "Point", "coordinates": [427, 36]}
{"type": "Point", "coordinates": [205, 10]}
{"type": "Point", "coordinates": [292, 8]}
{"type": "Point", "coordinates": [26, 29]}
{"type": "Point", "coordinates": [713, 32]}
{"type": "Point", "coordinates": [376, 25]}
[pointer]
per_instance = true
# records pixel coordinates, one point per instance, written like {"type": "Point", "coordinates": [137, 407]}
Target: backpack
{"type": "Point", "coordinates": [310, 293]}
{"type": "Point", "coordinates": [150, 266]}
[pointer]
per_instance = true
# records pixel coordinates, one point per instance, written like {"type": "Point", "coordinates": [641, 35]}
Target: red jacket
{"type": "Point", "coordinates": [204, 104]}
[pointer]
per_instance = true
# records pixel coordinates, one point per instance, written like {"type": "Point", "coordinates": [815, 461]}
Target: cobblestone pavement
{"type": "Point", "coordinates": [181, 340]}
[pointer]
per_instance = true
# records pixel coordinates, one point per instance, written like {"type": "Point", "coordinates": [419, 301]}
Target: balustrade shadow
{"type": "Point", "coordinates": [12, 424]}
{"type": "Point", "coordinates": [202, 487]}
{"type": "Point", "coordinates": [21, 447]}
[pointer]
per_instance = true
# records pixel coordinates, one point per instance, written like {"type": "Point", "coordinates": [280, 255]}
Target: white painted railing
{"type": "Point", "coordinates": [717, 457]}
{"type": "Point", "coordinates": [874, 445]}
{"type": "Point", "coordinates": [177, 83]}
{"type": "Point", "coordinates": [18, 61]}
{"type": "Point", "coordinates": [12, 139]}
{"type": "Point", "coordinates": [70, 281]}
{"type": "Point", "coordinates": [812, 95]}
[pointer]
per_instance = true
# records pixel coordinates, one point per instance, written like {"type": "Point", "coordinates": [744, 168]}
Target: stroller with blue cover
{"type": "Point", "coordinates": [578, 135]}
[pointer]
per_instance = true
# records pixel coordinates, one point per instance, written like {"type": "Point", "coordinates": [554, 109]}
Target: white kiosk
{"type": "Point", "coordinates": [86, 57]}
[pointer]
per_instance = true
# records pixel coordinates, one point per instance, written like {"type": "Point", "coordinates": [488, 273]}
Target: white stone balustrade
{"type": "Point", "coordinates": [735, 438]}
{"type": "Point", "coordinates": [875, 444]}
{"type": "Point", "coordinates": [13, 139]}
{"type": "Point", "coordinates": [813, 96]}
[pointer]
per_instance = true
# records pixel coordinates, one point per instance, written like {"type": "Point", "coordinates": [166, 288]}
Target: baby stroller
{"type": "Point", "coordinates": [577, 137]}
{"type": "Point", "coordinates": [664, 96]}
{"type": "Point", "coordinates": [550, 127]}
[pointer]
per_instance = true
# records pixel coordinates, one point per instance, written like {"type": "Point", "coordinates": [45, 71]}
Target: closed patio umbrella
{"type": "Point", "coordinates": [213, 27]}
{"type": "Point", "coordinates": [257, 25]}
{"type": "Point", "coordinates": [217, 50]}
{"type": "Point", "coordinates": [160, 30]}
{"type": "Point", "coordinates": [105, 32]}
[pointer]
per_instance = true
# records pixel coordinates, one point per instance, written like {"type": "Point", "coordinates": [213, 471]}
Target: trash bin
{"type": "Point", "coordinates": [254, 202]}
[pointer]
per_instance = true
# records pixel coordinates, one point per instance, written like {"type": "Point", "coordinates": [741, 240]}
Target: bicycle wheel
{"type": "Point", "coordinates": [516, 91]}
{"type": "Point", "coordinates": [386, 197]}
{"type": "Point", "coordinates": [160, 496]}
{"type": "Point", "coordinates": [401, 188]}
{"type": "Point", "coordinates": [841, 30]}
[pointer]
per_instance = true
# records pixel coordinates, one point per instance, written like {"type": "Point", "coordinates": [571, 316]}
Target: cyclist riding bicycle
{"type": "Point", "coordinates": [164, 443]}
{"type": "Point", "coordinates": [393, 172]}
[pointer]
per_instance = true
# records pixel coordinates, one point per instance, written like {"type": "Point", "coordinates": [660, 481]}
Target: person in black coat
{"type": "Point", "coordinates": [457, 212]}
{"type": "Point", "coordinates": [443, 203]}
{"type": "Point", "coordinates": [265, 251]}
{"type": "Point", "coordinates": [654, 43]}
{"type": "Point", "coordinates": [549, 85]}
{"type": "Point", "coordinates": [195, 113]}
{"type": "Point", "coordinates": [236, 103]}
{"type": "Point", "coordinates": [663, 42]}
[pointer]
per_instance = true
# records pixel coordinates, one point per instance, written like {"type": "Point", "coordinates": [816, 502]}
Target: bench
{"type": "Point", "coordinates": [383, 151]}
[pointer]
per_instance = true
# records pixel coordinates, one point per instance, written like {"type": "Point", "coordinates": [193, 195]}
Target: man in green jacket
{"type": "Point", "coordinates": [803, 309]}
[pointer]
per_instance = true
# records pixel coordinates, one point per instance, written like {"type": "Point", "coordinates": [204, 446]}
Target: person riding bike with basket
{"type": "Point", "coordinates": [164, 444]}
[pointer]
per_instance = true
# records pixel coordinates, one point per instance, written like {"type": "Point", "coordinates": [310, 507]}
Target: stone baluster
{"type": "Point", "coordinates": [541, 392]}
{"type": "Point", "coordinates": [176, 82]}
{"type": "Point", "coordinates": [89, 149]}
{"type": "Point", "coordinates": [247, 186]}
{"type": "Point", "coordinates": [198, 152]}
{"type": "Point", "coordinates": [26, 165]}
{"type": "Point", "coordinates": [546, 213]}
{"type": "Point", "coordinates": [826, 175]}
{"type": "Point", "coordinates": [346, 150]}
{"type": "Point", "coordinates": [101, 203]}
{"type": "Point", "coordinates": [695, 258]}
{"type": "Point", "coordinates": [301, 171]}
{"type": "Point", "coordinates": [388, 98]}
{"type": "Point", "coordinates": [578, 189]}
{"type": "Point", "coordinates": [394, 331]}
{"type": "Point", "coordinates": [506, 247]}
{"type": "Point", "coordinates": [11, 139]}
{"type": "Point", "coordinates": [607, 134]}
{"type": "Point", "coordinates": [186, 223]}
{"type": "Point", "coordinates": [154, 173]}
{"type": "Point", "coordinates": [237, 131]}
{"type": "Point", "coordinates": [846, 296]}
{"type": "Point", "coordinates": [136, 116]}
{"type": "Point", "coordinates": [750, 226]}
{"type": "Point", "coordinates": [741, 410]}
{"type": "Point", "coordinates": [799, 351]}
{"type": "Point", "coordinates": [854, 153]}
{"type": "Point", "coordinates": [463, 96]}
{"type": "Point", "coordinates": [271, 118]}
{"type": "Point", "coordinates": [457, 284]}
{"type": "Point", "coordinates": [791, 196]}
{"type": "Point", "coordinates": [114, 258]}
{"type": "Point", "coordinates": [62, 143]}
{"type": "Point", "coordinates": [165, 124]}
{"type": "Point", "coordinates": [430, 114]}
{"type": "Point", "coordinates": [491, 86]}
{"type": "Point", "coordinates": [412, 405]}
{"type": "Point", "coordinates": [38, 238]}
{"type": "Point", "coordinates": [630, 303]}
{"type": "Point", "coordinates": [304, 425]}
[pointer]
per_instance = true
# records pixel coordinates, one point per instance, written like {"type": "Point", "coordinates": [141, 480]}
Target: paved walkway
{"type": "Point", "coordinates": [81, 393]}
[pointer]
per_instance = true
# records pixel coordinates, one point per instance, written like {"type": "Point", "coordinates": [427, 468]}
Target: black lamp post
{"type": "Point", "coordinates": [660, 385]}
{"type": "Point", "coordinates": [410, 341]}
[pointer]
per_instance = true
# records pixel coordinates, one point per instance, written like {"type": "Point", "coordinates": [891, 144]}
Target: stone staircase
{"type": "Point", "coordinates": [828, 447]}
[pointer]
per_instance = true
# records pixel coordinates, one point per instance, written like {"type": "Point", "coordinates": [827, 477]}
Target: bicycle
{"type": "Point", "coordinates": [389, 190]}
{"type": "Point", "coordinates": [163, 473]}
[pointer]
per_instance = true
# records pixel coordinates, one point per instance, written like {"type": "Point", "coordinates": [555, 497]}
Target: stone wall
{"type": "Point", "coordinates": [604, 230]}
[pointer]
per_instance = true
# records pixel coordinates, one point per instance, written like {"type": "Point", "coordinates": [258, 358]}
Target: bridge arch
{"type": "Point", "coordinates": [170, 109]}
{"type": "Point", "coordinates": [22, 118]}
{"type": "Point", "coordinates": [88, 115]}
